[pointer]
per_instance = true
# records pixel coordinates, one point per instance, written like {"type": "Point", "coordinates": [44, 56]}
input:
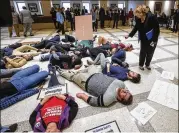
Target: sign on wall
{"type": "Point", "coordinates": [33, 7]}
{"type": "Point", "coordinates": [105, 128]}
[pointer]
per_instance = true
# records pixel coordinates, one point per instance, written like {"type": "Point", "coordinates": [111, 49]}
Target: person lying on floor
{"type": "Point", "coordinates": [85, 43]}
{"type": "Point", "coordinates": [119, 57]}
{"type": "Point", "coordinates": [22, 80]}
{"type": "Point", "coordinates": [108, 44]}
{"type": "Point", "coordinates": [114, 70]}
{"type": "Point", "coordinates": [90, 52]}
{"type": "Point", "coordinates": [15, 61]}
{"type": "Point", "coordinates": [54, 113]}
{"type": "Point", "coordinates": [105, 90]}
{"type": "Point", "coordinates": [63, 61]}
{"type": "Point", "coordinates": [26, 49]}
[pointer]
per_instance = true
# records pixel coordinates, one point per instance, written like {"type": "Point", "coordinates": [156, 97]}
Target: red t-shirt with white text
{"type": "Point", "coordinates": [52, 109]}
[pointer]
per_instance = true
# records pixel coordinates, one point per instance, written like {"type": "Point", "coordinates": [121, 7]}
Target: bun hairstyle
{"type": "Point", "coordinates": [141, 9]}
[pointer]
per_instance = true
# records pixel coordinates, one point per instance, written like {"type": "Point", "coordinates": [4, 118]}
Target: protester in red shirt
{"type": "Point", "coordinates": [53, 114]}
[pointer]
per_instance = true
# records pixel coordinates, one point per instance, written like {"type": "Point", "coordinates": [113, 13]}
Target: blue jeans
{"type": "Point", "coordinates": [7, 73]}
{"type": "Point", "coordinates": [28, 78]}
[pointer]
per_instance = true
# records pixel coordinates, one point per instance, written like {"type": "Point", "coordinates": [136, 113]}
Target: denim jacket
{"type": "Point", "coordinates": [60, 18]}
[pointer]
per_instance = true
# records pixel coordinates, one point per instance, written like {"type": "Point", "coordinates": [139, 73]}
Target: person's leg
{"type": "Point", "coordinates": [149, 55]}
{"type": "Point", "coordinates": [78, 78]}
{"type": "Point", "coordinates": [142, 55]}
{"type": "Point", "coordinates": [45, 57]}
{"type": "Point", "coordinates": [93, 26]}
{"type": "Point", "coordinates": [7, 73]}
{"type": "Point", "coordinates": [59, 27]}
{"type": "Point", "coordinates": [114, 23]}
{"type": "Point", "coordinates": [63, 30]}
{"type": "Point", "coordinates": [96, 24]}
{"type": "Point", "coordinates": [101, 59]}
{"type": "Point", "coordinates": [34, 79]}
{"type": "Point", "coordinates": [54, 21]}
{"type": "Point", "coordinates": [26, 72]}
{"type": "Point", "coordinates": [10, 31]}
{"type": "Point", "coordinates": [25, 29]}
{"type": "Point", "coordinates": [30, 29]}
{"type": "Point", "coordinates": [15, 28]}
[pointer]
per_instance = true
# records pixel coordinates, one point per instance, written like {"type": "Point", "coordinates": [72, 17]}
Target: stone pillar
{"type": "Point", "coordinates": [46, 7]}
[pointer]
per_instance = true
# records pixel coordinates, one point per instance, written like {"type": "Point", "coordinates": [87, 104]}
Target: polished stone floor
{"type": "Point", "coordinates": [166, 58]}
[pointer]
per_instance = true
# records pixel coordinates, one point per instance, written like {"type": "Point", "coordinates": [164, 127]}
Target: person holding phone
{"type": "Point", "coordinates": [148, 29]}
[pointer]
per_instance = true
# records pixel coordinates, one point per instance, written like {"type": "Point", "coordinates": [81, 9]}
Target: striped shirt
{"type": "Point", "coordinates": [104, 89]}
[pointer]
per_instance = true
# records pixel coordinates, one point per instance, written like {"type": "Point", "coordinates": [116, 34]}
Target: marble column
{"type": "Point", "coordinates": [46, 7]}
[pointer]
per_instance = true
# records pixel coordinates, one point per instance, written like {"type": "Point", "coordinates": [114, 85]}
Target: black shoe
{"type": "Point", "coordinates": [31, 34]}
{"type": "Point", "coordinates": [12, 128]}
{"type": "Point", "coordinates": [141, 68]}
{"type": "Point", "coordinates": [148, 67]}
{"type": "Point", "coordinates": [25, 35]}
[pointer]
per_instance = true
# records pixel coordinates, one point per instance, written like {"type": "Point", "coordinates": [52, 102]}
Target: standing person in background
{"type": "Point", "coordinates": [148, 10]}
{"type": "Point", "coordinates": [115, 17]}
{"type": "Point", "coordinates": [148, 29]}
{"type": "Point", "coordinates": [69, 17]}
{"type": "Point", "coordinates": [72, 19]}
{"type": "Point", "coordinates": [53, 13]}
{"type": "Point", "coordinates": [97, 16]}
{"type": "Point", "coordinates": [93, 20]}
{"type": "Point", "coordinates": [27, 21]}
{"type": "Point", "coordinates": [130, 16]}
{"type": "Point", "coordinates": [176, 19]}
{"type": "Point", "coordinates": [109, 16]}
{"type": "Point", "coordinates": [84, 11]}
{"type": "Point", "coordinates": [123, 16]}
{"type": "Point", "coordinates": [60, 20]}
{"type": "Point", "coordinates": [102, 17]}
{"type": "Point", "coordinates": [16, 21]}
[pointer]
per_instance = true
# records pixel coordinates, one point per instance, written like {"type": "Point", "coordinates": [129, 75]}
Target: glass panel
{"type": "Point", "coordinates": [66, 5]}
{"type": "Point", "coordinates": [20, 5]}
{"type": "Point", "coordinates": [121, 6]}
{"type": "Point", "coordinates": [87, 6]}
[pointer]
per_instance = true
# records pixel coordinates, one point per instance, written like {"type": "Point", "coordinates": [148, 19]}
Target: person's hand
{"type": "Point", "coordinates": [60, 96]}
{"type": "Point", "coordinates": [46, 98]}
{"type": "Point", "coordinates": [126, 37]}
{"type": "Point", "coordinates": [125, 64]}
{"type": "Point", "coordinates": [153, 44]}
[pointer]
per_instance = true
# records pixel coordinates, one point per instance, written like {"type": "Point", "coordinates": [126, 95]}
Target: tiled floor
{"type": "Point", "coordinates": [165, 120]}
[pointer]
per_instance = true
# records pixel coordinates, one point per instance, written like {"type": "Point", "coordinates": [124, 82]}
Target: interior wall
{"type": "Point", "coordinates": [14, 4]}
{"type": "Point", "coordinates": [166, 6]}
{"type": "Point", "coordinates": [133, 4]}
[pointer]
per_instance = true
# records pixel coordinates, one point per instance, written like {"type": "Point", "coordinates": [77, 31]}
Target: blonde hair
{"type": "Point", "coordinates": [141, 9]}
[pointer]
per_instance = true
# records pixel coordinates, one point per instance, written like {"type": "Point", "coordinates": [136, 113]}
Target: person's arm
{"type": "Point", "coordinates": [32, 118]}
{"type": "Point", "coordinates": [156, 29]}
{"type": "Point", "coordinates": [73, 109]}
{"type": "Point", "coordinates": [134, 30]}
{"type": "Point", "coordinates": [16, 64]}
